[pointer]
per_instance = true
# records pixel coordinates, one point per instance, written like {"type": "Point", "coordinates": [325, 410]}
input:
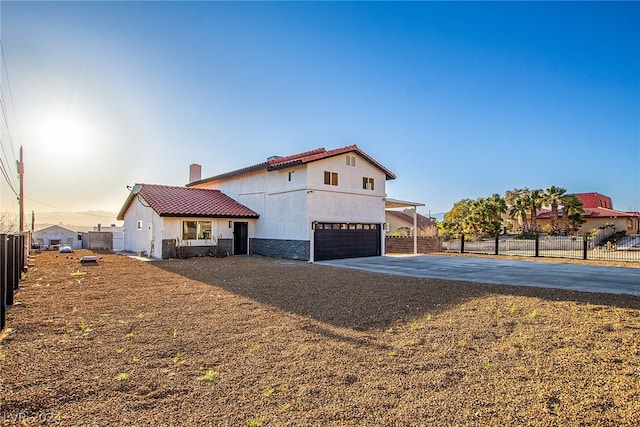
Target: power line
{"type": "Point", "coordinates": [66, 211]}
{"type": "Point", "coordinates": [8, 132]}
{"type": "Point", "coordinates": [6, 72]}
{"type": "Point", "coordinates": [6, 176]}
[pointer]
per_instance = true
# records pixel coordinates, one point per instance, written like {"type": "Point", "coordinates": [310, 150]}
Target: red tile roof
{"type": "Point", "coordinates": [278, 162]}
{"type": "Point", "coordinates": [423, 221]}
{"type": "Point", "coordinates": [321, 153]}
{"type": "Point", "coordinates": [594, 200]}
{"type": "Point", "coordinates": [594, 213]}
{"type": "Point", "coordinates": [170, 201]}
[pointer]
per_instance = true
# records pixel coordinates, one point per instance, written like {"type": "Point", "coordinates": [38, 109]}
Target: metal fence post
{"type": "Point", "coordinates": [3, 280]}
{"type": "Point", "coordinates": [585, 245]}
{"type": "Point", "coordinates": [19, 268]}
{"type": "Point", "coordinates": [10, 267]}
{"type": "Point", "coordinates": [536, 249]}
{"type": "Point", "coordinates": [462, 244]}
{"type": "Point", "coordinates": [497, 244]}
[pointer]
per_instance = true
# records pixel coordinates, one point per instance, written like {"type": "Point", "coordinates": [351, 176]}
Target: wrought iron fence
{"type": "Point", "coordinates": [575, 247]}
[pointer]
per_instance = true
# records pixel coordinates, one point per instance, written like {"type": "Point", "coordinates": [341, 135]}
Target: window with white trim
{"type": "Point", "coordinates": [330, 178]}
{"type": "Point", "coordinates": [192, 230]}
{"type": "Point", "coordinates": [139, 224]}
{"type": "Point", "coordinates": [292, 175]}
{"type": "Point", "coordinates": [367, 183]}
{"type": "Point", "coordinates": [351, 160]}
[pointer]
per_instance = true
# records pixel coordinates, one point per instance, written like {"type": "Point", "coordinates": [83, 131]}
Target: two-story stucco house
{"type": "Point", "coordinates": [310, 206]}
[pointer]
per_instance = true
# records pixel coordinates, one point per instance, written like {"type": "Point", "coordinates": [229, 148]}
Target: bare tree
{"type": "Point", "coordinates": [8, 223]}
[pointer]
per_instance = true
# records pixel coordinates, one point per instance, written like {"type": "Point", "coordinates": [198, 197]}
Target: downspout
{"type": "Point", "coordinates": [415, 230]}
{"type": "Point", "coordinates": [312, 241]}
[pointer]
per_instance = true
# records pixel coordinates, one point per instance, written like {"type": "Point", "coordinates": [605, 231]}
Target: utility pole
{"type": "Point", "coordinates": [20, 164]}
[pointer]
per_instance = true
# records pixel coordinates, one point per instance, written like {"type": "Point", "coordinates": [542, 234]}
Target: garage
{"type": "Point", "coordinates": [346, 240]}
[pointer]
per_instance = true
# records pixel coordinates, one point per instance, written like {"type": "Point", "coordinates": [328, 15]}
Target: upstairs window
{"type": "Point", "coordinates": [330, 178]}
{"type": "Point", "coordinates": [351, 160]}
{"type": "Point", "coordinates": [292, 175]}
{"type": "Point", "coordinates": [139, 224]}
{"type": "Point", "coordinates": [367, 183]}
{"type": "Point", "coordinates": [192, 230]}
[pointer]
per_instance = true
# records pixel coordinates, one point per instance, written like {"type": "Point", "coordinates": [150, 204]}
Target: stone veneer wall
{"type": "Point", "coordinates": [290, 249]}
{"type": "Point", "coordinates": [169, 249]}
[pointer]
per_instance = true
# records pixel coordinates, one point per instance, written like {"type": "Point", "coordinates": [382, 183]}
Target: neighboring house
{"type": "Point", "coordinates": [117, 233]}
{"type": "Point", "coordinates": [400, 223]}
{"type": "Point", "coordinates": [310, 206]}
{"type": "Point", "coordinates": [159, 218]}
{"type": "Point", "coordinates": [56, 236]}
{"type": "Point", "coordinates": [599, 213]}
{"type": "Point", "coordinates": [314, 205]}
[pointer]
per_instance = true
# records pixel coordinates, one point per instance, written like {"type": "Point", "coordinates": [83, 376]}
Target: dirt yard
{"type": "Point", "coordinates": [247, 341]}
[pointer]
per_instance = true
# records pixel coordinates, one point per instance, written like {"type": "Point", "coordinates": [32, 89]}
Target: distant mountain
{"type": "Point", "coordinates": [439, 216]}
{"type": "Point", "coordinates": [77, 221]}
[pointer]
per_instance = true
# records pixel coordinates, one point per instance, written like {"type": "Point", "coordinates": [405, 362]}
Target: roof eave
{"type": "Point", "coordinates": [125, 207]}
{"type": "Point", "coordinates": [233, 173]}
{"type": "Point", "coordinates": [194, 215]}
{"type": "Point", "coordinates": [284, 165]}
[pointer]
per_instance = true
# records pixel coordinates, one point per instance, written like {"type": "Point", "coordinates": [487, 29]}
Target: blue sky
{"type": "Point", "coordinates": [460, 100]}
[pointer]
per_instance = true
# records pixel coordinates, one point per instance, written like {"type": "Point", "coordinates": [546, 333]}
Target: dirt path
{"type": "Point", "coordinates": [253, 341]}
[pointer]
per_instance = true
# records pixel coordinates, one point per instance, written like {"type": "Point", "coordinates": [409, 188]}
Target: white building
{"type": "Point", "coordinates": [160, 220]}
{"type": "Point", "coordinates": [117, 233]}
{"type": "Point", "coordinates": [309, 206]}
{"type": "Point", "coordinates": [56, 236]}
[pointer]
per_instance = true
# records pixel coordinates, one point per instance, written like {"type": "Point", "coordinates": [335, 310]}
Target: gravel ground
{"type": "Point", "coordinates": [248, 341]}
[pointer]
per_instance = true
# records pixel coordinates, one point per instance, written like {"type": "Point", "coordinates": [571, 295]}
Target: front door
{"type": "Point", "coordinates": [240, 238]}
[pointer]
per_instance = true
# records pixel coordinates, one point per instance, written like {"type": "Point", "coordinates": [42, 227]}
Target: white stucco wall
{"type": "Point", "coordinates": [55, 232]}
{"type": "Point", "coordinates": [143, 238]}
{"type": "Point", "coordinates": [287, 208]}
{"type": "Point", "coordinates": [156, 228]}
{"type": "Point", "coordinates": [172, 229]}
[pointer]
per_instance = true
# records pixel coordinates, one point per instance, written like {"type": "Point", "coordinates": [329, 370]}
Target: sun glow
{"type": "Point", "coordinates": [64, 133]}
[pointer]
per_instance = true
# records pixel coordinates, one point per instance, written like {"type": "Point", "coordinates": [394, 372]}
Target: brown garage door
{"type": "Point", "coordinates": [346, 240]}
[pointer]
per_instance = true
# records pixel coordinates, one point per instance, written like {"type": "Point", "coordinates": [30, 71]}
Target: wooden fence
{"type": "Point", "coordinates": [12, 262]}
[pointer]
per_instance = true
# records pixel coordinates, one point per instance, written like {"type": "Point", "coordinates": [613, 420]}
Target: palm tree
{"type": "Point", "coordinates": [496, 206]}
{"type": "Point", "coordinates": [572, 213]}
{"type": "Point", "coordinates": [553, 198]}
{"type": "Point", "coordinates": [534, 200]}
{"type": "Point", "coordinates": [473, 222]}
{"type": "Point", "coordinates": [515, 200]}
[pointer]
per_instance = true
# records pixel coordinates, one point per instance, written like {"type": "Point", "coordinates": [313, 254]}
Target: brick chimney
{"type": "Point", "coordinates": [195, 173]}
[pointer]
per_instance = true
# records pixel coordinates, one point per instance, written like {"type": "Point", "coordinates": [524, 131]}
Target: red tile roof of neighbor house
{"type": "Point", "coordinates": [182, 202]}
{"type": "Point", "coordinates": [595, 205]}
{"type": "Point", "coordinates": [423, 221]}
{"type": "Point", "coordinates": [593, 213]}
{"type": "Point", "coordinates": [278, 162]}
{"type": "Point", "coordinates": [594, 200]}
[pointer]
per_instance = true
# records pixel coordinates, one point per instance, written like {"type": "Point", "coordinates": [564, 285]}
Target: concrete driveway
{"type": "Point", "coordinates": [577, 277]}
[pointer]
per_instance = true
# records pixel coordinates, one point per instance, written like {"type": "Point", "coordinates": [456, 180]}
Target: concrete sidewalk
{"type": "Point", "coordinates": [577, 277]}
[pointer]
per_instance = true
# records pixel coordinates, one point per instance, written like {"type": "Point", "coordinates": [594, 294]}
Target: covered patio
{"type": "Point", "coordinates": [390, 204]}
